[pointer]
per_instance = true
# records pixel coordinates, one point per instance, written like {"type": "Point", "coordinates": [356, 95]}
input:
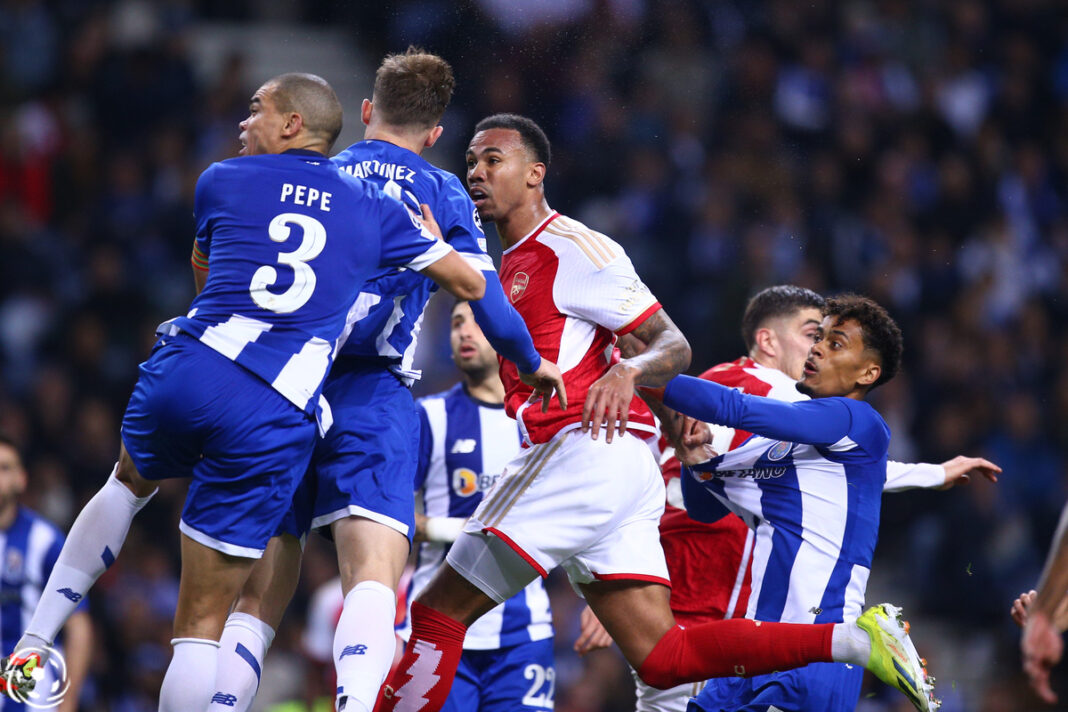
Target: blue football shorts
{"type": "Point", "coordinates": [818, 687]}
{"type": "Point", "coordinates": [195, 413]}
{"type": "Point", "coordinates": [365, 465]}
{"type": "Point", "coordinates": [520, 677]}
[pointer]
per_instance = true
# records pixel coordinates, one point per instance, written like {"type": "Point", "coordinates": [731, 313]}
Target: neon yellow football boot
{"type": "Point", "coordinates": [894, 659]}
{"type": "Point", "coordinates": [16, 674]}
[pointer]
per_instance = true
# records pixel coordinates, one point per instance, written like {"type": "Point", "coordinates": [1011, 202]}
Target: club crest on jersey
{"type": "Point", "coordinates": [13, 565]}
{"type": "Point", "coordinates": [519, 285]}
{"type": "Point", "coordinates": [779, 450]}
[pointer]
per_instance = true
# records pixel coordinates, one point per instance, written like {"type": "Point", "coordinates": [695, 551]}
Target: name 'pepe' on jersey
{"type": "Point", "coordinates": [384, 323]}
{"type": "Point", "coordinates": [576, 289]}
{"type": "Point", "coordinates": [290, 239]}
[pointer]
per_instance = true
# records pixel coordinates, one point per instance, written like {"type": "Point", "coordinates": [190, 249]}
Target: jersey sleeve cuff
{"type": "Point", "coordinates": [437, 251]}
{"type": "Point", "coordinates": [639, 320]}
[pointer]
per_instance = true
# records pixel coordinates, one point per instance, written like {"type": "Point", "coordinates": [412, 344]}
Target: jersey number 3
{"type": "Point", "coordinates": [303, 285]}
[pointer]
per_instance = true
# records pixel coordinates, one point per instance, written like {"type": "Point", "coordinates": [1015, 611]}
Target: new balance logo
{"type": "Point", "coordinates": [228, 700]}
{"type": "Point", "coordinates": [71, 595]}
{"type": "Point", "coordinates": [353, 650]}
{"type": "Point", "coordinates": [463, 446]}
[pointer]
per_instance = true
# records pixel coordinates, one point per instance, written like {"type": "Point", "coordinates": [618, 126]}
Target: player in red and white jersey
{"type": "Point", "coordinates": [577, 290]}
{"type": "Point", "coordinates": [586, 494]}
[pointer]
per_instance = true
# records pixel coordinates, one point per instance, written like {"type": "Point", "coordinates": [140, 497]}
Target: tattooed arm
{"type": "Point", "coordinates": [666, 354]}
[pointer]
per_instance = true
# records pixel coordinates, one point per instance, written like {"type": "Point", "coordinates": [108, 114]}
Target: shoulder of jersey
{"type": "Point", "coordinates": [596, 247]}
{"type": "Point", "coordinates": [441, 395]}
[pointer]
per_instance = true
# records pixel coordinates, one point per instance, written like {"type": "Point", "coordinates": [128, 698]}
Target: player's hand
{"type": "Point", "coordinates": [695, 432]}
{"type": "Point", "coordinates": [592, 635]}
{"type": "Point", "coordinates": [961, 468]}
{"type": "Point", "coordinates": [545, 381]}
{"type": "Point", "coordinates": [608, 401]}
{"type": "Point", "coordinates": [428, 220]}
{"type": "Point", "coordinates": [1042, 648]}
{"type": "Point", "coordinates": [1020, 606]}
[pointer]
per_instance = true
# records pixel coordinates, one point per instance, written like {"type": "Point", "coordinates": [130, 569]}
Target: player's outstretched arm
{"type": "Point", "coordinates": [902, 476]}
{"type": "Point", "coordinates": [666, 354]}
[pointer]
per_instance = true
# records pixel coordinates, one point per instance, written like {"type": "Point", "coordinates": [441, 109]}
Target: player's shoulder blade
{"type": "Point", "coordinates": [596, 247]}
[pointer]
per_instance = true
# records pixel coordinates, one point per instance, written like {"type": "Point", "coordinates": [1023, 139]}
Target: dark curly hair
{"type": "Point", "coordinates": [773, 302]}
{"type": "Point", "coordinates": [879, 331]}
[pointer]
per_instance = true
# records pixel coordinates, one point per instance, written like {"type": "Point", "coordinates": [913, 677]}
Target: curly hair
{"type": "Point", "coordinates": [878, 329]}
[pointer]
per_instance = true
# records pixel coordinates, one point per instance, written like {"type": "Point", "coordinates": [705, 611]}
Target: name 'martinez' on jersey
{"type": "Point", "coordinates": [385, 321]}
{"type": "Point", "coordinates": [287, 240]}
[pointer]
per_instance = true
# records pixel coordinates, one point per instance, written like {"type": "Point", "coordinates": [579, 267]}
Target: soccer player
{"type": "Point", "coordinates": [586, 494]}
{"type": "Point", "coordinates": [809, 481]}
{"type": "Point", "coordinates": [232, 391]}
{"type": "Point", "coordinates": [710, 562]}
{"type": "Point", "coordinates": [466, 439]}
{"type": "Point", "coordinates": [361, 483]}
{"type": "Point", "coordinates": [30, 545]}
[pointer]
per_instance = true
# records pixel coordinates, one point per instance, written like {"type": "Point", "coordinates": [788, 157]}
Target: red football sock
{"type": "Point", "coordinates": [423, 679]}
{"type": "Point", "coordinates": [734, 648]}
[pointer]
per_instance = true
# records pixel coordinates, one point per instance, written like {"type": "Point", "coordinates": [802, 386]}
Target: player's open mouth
{"type": "Point", "coordinates": [477, 195]}
{"type": "Point", "coordinates": [810, 367]}
{"type": "Point", "coordinates": [467, 351]}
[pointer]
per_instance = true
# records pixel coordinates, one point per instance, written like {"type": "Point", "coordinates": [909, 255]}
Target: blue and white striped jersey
{"type": "Point", "coordinates": [289, 240]}
{"type": "Point", "coordinates": [464, 446]}
{"type": "Point", "coordinates": [30, 548]}
{"type": "Point", "coordinates": [810, 482]}
{"type": "Point", "coordinates": [384, 324]}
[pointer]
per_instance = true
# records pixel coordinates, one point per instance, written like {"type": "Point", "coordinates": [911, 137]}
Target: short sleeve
{"type": "Point", "coordinates": [204, 214]}
{"type": "Point", "coordinates": [405, 242]}
{"type": "Point", "coordinates": [612, 295]}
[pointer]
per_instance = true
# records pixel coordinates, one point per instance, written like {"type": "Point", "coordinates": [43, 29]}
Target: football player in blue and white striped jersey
{"type": "Point", "coordinates": [466, 439]}
{"type": "Point", "coordinates": [809, 482]}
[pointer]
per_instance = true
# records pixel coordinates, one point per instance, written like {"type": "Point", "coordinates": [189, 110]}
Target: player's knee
{"type": "Point", "coordinates": [662, 667]}
{"type": "Point", "coordinates": [126, 473]}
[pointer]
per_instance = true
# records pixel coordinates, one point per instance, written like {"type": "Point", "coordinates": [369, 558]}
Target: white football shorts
{"type": "Point", "coordinates": [587, 505]}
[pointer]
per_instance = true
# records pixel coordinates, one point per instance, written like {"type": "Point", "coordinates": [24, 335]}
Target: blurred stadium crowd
{"type": "Point", "coordinates": [912, 150]}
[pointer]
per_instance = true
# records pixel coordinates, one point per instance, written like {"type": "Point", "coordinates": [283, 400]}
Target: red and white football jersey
{"type": "Point", "coordinates": [709, 564]}
{"type": "Point", "coordinates": [576, 289]}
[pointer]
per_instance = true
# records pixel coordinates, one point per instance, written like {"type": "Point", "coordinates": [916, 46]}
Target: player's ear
{"type": "Point", "coordinates": [292, 125]}
{"type": "Point", "coordinates": [365, 111]}
{"type": "Point", "coordinates": [435, 134]}
{"type": "Point", "coordinates": [870, 374]}
{"type": "Point", "coordinates": [536, 174]}
{"type": "Point", "coordinates": [764, 339]}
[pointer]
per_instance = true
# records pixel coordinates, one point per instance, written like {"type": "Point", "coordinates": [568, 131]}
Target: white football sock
{"type": "Point", "coordinates": [242, 648]}
{"type": "Point", "coordinates": [364, 644]}
{"type": "Point", "coordinates": [190, 680]}
{"type": "Point", "coordinates": [94, 541]}
{"type": "Point", "coordinates": [850, 644]}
